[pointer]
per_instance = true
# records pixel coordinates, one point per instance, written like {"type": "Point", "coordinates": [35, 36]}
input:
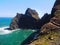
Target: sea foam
{"type": "Point", "coordinates": [3, 30]}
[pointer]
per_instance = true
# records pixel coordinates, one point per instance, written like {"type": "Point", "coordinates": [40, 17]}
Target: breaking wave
{"type": "Point", "coordinates": [5, 30]}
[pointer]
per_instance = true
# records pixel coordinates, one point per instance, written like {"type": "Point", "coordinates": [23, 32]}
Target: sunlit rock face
{"type": "Point", "coordinates": [29, 20]}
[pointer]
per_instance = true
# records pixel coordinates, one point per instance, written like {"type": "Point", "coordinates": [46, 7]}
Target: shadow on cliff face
{"type": "Point", "coordinates": [29, 20]}
{"type": "Point", "coordinates": [45, 19]}
{"type": "Point", "coordinates": [52, 27]}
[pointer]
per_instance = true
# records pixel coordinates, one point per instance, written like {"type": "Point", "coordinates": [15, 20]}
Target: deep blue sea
{"type": "Point", "coordinates": [14, 37]}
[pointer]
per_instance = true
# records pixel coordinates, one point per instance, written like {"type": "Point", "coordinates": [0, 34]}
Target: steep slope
{"type": "Point", "coordinates": [51, 30]}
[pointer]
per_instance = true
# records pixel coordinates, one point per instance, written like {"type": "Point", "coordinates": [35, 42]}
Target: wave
{"type": "Point", "coordinates": [4, 30]}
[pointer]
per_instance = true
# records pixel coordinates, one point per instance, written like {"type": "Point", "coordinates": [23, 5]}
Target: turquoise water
{"type": "Point", "coordinates": [15, 37]}
{"type": "Point", "coordinates": [5, 21]}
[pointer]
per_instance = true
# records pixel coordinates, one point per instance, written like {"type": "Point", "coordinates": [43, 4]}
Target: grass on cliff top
{"type": "Point", "coordinates": [53, 38]}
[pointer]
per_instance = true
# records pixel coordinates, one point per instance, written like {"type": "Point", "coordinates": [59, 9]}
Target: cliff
{"type": "Point", "coordinates": [51, 30]}
{"type": "Point", "coordinates": [48, 26]}
{"type": "Point", "coordinates": [29, 20]}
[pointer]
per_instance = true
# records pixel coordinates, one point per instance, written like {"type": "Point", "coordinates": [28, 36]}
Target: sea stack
{"type": "Point", "coordinates": [29, 20]}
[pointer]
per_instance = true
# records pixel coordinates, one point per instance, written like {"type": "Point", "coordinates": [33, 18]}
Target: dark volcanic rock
{"type": "Point", "coordinates": [29, 20]}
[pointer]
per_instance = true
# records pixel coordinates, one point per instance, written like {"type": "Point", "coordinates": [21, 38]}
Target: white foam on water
{"type": "Point", "coordinates": [3, 31]}
{"type": "Point", "coordinates": [33, 30]}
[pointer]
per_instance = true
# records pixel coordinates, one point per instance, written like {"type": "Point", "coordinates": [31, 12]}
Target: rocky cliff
{"type": "Point", "coordinates": [51, 30]}
{"type": "Point", "coordinates": [48, 25]}
{"type": "Point", "coordinates": [29, 20]}
{"type": "Point", "coordinates": [54, 22]}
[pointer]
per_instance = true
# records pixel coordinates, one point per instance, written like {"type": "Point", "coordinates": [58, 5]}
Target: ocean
{"type": "Point", "coordinates": [4, 21]}
{"type": "Point", "coordinates": [14, 37]}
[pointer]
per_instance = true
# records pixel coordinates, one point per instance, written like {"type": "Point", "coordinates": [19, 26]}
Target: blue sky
{"type": "Point", "coordinates": [9, 8]}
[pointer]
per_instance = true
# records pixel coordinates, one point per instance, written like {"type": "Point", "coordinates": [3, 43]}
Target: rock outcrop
{"type": "Point", "coordinates": [45, 19]}
{"type": "Point", "coordinates": [15, 21]}
{"type": "Point", "coordinates": [29, 20]}
{"type": "Point", "coordinates": [49, 25]}
{"type": "Point", "coordinates": [54, 23]}
{"type": "Point", "coordinates": [55, 7]}
{"type": "Point", "coordinates": [51, 30]}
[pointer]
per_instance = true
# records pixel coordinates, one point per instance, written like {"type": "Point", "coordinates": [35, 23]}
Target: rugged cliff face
{"type": "Point", "coordinates": [54, 23]}
{"type": "Point", "coordinates": [49, 25]}
{"type": "Point", "coordinates": [15, 21]}
{"type": "Point", "coordinates": [51, 30]}
{"type": "Point", "coordinates": [29, 20]}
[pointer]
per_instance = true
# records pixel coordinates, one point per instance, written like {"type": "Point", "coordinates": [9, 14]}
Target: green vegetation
{"type": "Point", "coordinates": [53, 38]}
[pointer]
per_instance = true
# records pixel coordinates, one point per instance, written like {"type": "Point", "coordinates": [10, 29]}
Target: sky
{"type": "Point", "coordinates": [9, 8]}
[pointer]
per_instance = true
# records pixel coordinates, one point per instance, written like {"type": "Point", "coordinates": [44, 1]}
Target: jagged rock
{"type": "Point", "coordinates": [52, 28]}
{"type": "Point", "coordinates": [54, 23]}
{"type": "Point", "coordinates": [56, 18]}
{"type": "Point", "coordinates": [29, 20]}
{"type": "Point", "coordinates": [15, 21]}
{"type": "Point", "coordinates": [56, 7]}
{"type": "Point", "coordinates": [45, 19]}
{"type": "Point", "coordinates": [49, 27]}
{"type": "Point", "coordinates": [32, 13]}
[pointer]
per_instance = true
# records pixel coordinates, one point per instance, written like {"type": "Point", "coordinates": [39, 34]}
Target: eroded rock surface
{"type": "Point", "coordinates": [29, 20]}
{"type": "Point", "coordinates": [54, 23]}
{"type": "Point", "coordinates": [50, 30]}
